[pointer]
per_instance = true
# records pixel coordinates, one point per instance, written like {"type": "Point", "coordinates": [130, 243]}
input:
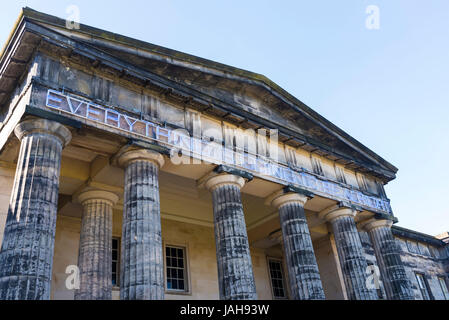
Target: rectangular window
{"type": "Point", "coordinates": [277, 278]}
{"type": "Point", "coordinates": [422, 284]}
{"type": "Point", "coordinates": [176, 271]}
{"type": "Point", "coordinates": [434, 252]}
{"type": "Point", "coordinates": [412, 246]}
{"type": "Point", "coordinates": [444, 289]}
{"type": "Point", "coordinates": [115, 261]}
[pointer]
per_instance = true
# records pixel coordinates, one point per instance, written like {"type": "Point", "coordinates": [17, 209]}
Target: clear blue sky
{"type": "Point", "coordinates": [388, 88]}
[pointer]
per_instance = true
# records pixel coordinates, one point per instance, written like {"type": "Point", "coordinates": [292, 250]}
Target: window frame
{"type": "Point", "coordinates": [442, 280]}
{"type": "Point", "coordinates": [411, 246]}
{"type": "Point", "coordinates": [284, 282]}
{"type": "Point", "coordinates": [426, 288]}
{"type": "Point", "coordinates": [187, 283]}
{"type": "Point", "coordinates": [119, 243]}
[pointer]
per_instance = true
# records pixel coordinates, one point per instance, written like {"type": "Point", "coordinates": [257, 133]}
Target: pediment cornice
{"type": "Point", "coordinates": [188, 80]}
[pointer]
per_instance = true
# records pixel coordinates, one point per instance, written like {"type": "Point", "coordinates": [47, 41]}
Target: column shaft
{"type": "Point", "coordinates": [141, 275]}
{"type": "Point", "coordinates": [235, 272]}
{"type": "Point", "coordinates": [394, 277]}
{"type": "Point", "coordinates": [303, 273]}
{"type": "Point", "coordinates": [352, 259]}
{"type": "Point", "coordinates": [95, 250]}
{"type": "Point", "coordinates": [26, 257]}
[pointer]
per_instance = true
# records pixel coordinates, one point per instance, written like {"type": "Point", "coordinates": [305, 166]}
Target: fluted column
{"type": "Point", "coordinates": [141, 275]}
{"type": "Point", "coordinates": [350, 252]}
{"type": "Point", "coordinates": [387, 251]}
{"type": "Point", "coordinates": [303, 273]}
{"type": "Point", "coordinates": [235, 270]}
{"type": "Point", "coordinates": [95, 249]}
{"type": "Point", "coordinates": [26, 257]}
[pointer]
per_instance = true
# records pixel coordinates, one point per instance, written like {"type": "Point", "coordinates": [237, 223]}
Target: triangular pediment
{"type": "Point", "coordinates": [244, 97]}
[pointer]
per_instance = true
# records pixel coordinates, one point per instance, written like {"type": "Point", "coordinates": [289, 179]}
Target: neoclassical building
{"type": "Point", "coordinates": [132, 171]}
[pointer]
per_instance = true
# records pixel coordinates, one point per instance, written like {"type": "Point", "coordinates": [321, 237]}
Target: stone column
{"type": "Point", "coordinates": [303, 273]}
{"type": "Point", "coordinates": [142, 267]}
{"type": "Point", "coordinates": [26, 257]}
{"type": "Point", "coordinates": [95, 249]}
{"type": "Point", "coordinates": [387, 251]}
{"type": "Point", "coordinates": [235, 270]}
{"type": "Point", "coordinates": [350, 252]}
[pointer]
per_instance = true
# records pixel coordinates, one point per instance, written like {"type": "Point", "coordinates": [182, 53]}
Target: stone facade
{"type": "Point", "coordinates": [420, 254]}
{"type": "Point", "coordinates": [149, 178]}
{"type": "Point", "coordinates": [426, 255]}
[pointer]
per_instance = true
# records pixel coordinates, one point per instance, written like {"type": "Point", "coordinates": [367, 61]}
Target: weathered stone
{"type": "Point", "coordinates": [303, 273]}
{"type": "Point", "coordinates": [235, 270]}
{"type": "Point", "coordinates": [26, 258]}
{"type": "Point", "coordinates": [141, 275]}
{"type": "Point", "coordinates": [350, 252]}
{"type": "Point", "coordinates": [393, 274]}
{"type": "Point", "coordinates": [95, 250]}
{"type": "Point", "coordinates": [374, 277]}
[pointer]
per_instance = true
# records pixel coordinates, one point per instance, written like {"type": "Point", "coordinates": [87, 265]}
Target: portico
{"type": "Point", "coordinates": [199, 200]}
{"type": "Point", "coordinates": [100, 203]}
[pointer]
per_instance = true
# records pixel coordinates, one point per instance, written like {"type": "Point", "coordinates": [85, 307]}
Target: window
{"type": "Point", "coordinates": [115, 261]}
{"type": "Point", "coordinates": [422, 284]}
{"type": "Point", "coordinates": [277, 279]}
{"type": "Point", "coordinates": [444, 288]}
{"type": "Point", "coordinates": [412, 246]}
{"type": "Point", "coordinates": [423, 249]}
{"type": "Point", "coordinates": [176, 272]}
{"type": "Point", "coordinates": [434, 252]}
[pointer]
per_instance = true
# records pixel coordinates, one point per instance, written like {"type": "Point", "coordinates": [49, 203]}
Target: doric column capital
{"type": "Point", "coordinates": [44, 126]}
{"type": "Point", "coordinates": [373, 223]}
{"type": "Point", "coordinates": [224, 179]}
{"type": "Point", "coordinates": [141, 154]}
{"type": "Point", "coordinates": [331, 213]}
{"type": "Point", "coordinates": [280, 198]}
{"type": "Point", "coordinates": [97, 196]}
{"type": "Point", "coordinates": [288, 194]}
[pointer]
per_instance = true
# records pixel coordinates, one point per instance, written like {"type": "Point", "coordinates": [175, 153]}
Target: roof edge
{"type": "Point", "coordinates": [11, 33]}
{"type": "Point", "coordinates": [163, 51]}
{"type": "Point", "coordinates": [416, 235]}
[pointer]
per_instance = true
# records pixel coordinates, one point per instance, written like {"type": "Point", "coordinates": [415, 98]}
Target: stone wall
{"type": "Point", "coordinates": [329, 266]}
{"type": "Point", "coordinates": [419, 257]}
{"type": "Point", "coordinates": [66, 253]}
{"type": "Point", "coordinates": [199, 242]}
